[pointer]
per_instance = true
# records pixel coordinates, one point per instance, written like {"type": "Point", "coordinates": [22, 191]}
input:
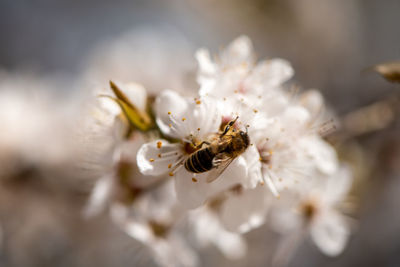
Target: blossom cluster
{"type": "Point", "coordinates": [245, 151]}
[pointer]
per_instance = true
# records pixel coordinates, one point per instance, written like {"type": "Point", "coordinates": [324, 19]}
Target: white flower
{"type": "Point", "coordinates": [315, 211]}
{"type": "Point", "coordinates": [153, 220]}
{"type": "Point", "coordinates": [235, 71]}
{"type": "Point", "coordinates": [191, 121]}
{"type": "Point", "coordinates": [208, 229]}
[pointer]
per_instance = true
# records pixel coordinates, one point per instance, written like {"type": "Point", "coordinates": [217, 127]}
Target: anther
{"type": "Point", "coordinates": [194, 180]}
{"type": "Point", "coordinates": [159, 144]}
{"type": "Point", "coordinates": [183, 119]}
{"type": "Point", "coordinates": [151, 160]}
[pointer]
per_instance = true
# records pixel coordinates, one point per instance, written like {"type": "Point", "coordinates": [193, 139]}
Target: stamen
{"type": "Point", "coordinates": [183, 119]}
{"type": "Point", "coordinates": [169, 166]}
{"type": "Point", "coordinates": [198, 102]}
{"type": "Point", "coordinates": [159, 144]}
{"type": "Point", "coordinates": [159, 155]}
{"type": "Point", "coordinates": [151, 160]}
{"type": "Point", "coordinates": [194, 180]}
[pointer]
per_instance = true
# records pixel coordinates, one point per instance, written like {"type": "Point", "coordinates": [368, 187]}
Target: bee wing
{"type": "Point", "coordinates": [220, 163]}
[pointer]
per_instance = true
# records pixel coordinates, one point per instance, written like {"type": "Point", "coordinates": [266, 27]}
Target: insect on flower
{"type": "Point", "coordinates": [219, 153]}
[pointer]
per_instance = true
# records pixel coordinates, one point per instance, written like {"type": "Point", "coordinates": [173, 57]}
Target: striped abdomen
{"type": "Point", "coordinates": [200, 161]}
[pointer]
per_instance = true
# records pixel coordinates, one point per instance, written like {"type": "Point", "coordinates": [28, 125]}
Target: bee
{"type": "Point", "coordinates": [219, 153]}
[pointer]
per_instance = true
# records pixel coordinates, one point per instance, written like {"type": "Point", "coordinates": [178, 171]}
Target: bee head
{"type": "Point", "coordinates": [245, 138]}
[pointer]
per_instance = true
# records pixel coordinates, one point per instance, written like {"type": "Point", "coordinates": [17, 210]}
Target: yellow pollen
{"type": "Point", "coordinates": [159, 144]}
{"type": "Point", "coordinates": [159, 155]}
{"type": "Point", "coordinates": [260, 159]}
{"type": "Point", "coordinates": [170, 125]}
{"type": "Point", "coordinates": [255, 110]}
{"type": "Point", "coordinates": [198, 102]}
{"type": "Point", "coordinates": [151, 160]}
{"type": "Point", "coordinates": [262, 183]}
{"type": "Point", "coordinates": [270, 151]}
{"type": "Point", "coordinates": [183, 119]}
{"type": "Point", "coordinates": [194, 180]}
{"type": "Point", "coordinates": [169, 112]}
{"type": "Point", "coordinates": [169, 166]}
{"type": "Point", "coordinates": [171, 174]}
{"type": "Point", "coordinates": [198, 129]}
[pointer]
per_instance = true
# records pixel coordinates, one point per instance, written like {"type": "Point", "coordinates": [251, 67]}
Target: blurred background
{"type": "Point", "coordinates": [53, 52]}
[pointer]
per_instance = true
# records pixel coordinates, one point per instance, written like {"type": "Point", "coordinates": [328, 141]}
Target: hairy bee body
{"type": "Point", "coordinates": [226, 147]}
{"type": "Point", "coordinates": [200, 161]}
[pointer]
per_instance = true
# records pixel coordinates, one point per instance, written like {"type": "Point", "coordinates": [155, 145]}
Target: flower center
{"type": "Point", "coordinates": [308, 209]}
{"type": "Point", "coordinates": [159, 229]}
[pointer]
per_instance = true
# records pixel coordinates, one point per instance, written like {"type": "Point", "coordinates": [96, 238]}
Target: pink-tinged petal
{"type": "Point", "coordinates": [169, 103]}
{"type": "Point", "coordinates": [246, 210]}
{"type": "Point", "coordinates": [330, 233]}
{"type": "Point", "coordinates": [158, 157]}
{"type": "Point", "coordinates": [193, 190]}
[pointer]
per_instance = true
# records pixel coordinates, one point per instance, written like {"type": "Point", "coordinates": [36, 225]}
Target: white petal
{"type": "Point", "coordinates": [313, 101]}
{"type": "Point", "coordinates": [271, 73]}
{"type": "Point", "coordinates": [338, 185]}
{"type": "Point", "coordinates": [245, 211]}
{"type": "Point", "coordinates": [330, 233]}
{"type": "Point", "coordinates": [232, 245]}
{"type": "Point", "coordinates": [193, 194]}
{"type": "Point", "coordinates": [169, 101]}
{"type": "Point", "coordinates": [154, 158]}
{"type": "Point", "coordinates": [253, 163]}
{"type": "Point", "coordinates": [135, 92]}
{"type": "Point", "coordinates": [99, 196]}
{"type": "Point", "coordinates": [240, 51]}
{"type": "Point", "coordinates": [208, 230]}
{"type": "Point", "coordinates": [207, 67]}
{"type": "Point", "coordinates": [323, 154]}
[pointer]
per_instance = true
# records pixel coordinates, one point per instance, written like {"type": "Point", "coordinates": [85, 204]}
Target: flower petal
{"type": "Point", "coordinates": [330, 233]}
{"type": "Point", "coordinates": [240, 51]}
{"type": "Point", "coordinates": [245, 211]}
{"type": "Point", "coordinates": [157, 157]}
{"type": "Point", "coordinates": [169, 102]}
{"type": "Point", "coordinates": [270, 74]}
{"type": "Point", "coordinates": [192, 193]}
